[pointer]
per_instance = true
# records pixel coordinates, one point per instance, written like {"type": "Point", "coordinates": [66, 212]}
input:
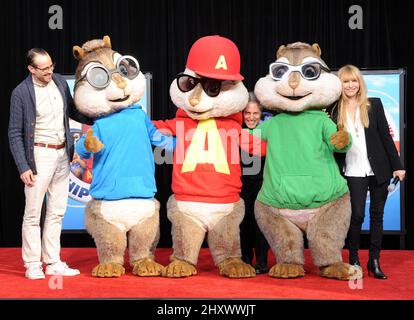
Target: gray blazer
{"type": "Point", "coordinates": [23, 120]}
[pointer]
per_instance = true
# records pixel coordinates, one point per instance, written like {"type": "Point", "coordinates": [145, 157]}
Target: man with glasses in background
{"type": "Point", "coordinates": [42, 147]}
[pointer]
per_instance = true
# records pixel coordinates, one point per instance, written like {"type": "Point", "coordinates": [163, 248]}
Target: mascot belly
{"type": "Point", "coordinates": [303, 191]}
{"type": "Point", "coordinates": [123, 208]}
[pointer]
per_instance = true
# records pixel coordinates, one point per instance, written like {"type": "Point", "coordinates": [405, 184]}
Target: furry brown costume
{"type": "Point", "coordinates": [303, 192]}
{"type": "Point", "coordinates": [206, 174]}
{"type": "Point", "coordinates": [123, 209]}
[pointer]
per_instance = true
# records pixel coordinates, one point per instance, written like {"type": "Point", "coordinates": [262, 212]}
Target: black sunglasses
{"type": "Point", "coordinates": [211, 87]}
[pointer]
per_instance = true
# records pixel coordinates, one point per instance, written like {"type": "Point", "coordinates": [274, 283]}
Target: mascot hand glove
{"type": "Point", "coordinates": [92, 144]}
{"type": "Point", "coordinates": [340, 139]}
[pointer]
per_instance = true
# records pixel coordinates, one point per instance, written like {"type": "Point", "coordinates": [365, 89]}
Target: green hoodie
{"type": "Point", "coordinates": [300, 170]}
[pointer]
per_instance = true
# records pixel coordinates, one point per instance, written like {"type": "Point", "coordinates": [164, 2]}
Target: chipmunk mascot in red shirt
{"type": "Point", "coordinates": [210, 96]}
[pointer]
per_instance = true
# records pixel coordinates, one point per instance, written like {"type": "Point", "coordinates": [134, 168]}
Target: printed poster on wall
{"type": "Point", "coordinates": [388, 86]}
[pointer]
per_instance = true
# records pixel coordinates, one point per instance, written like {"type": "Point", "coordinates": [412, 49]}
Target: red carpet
{"type": "Point", "coordinates": [398, 265]}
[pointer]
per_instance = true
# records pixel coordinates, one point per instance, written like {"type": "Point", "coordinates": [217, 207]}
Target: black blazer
{"type": "Point", "coordinates": [382, 153]}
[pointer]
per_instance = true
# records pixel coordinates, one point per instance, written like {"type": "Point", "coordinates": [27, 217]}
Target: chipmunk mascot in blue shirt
{"type": "Point", "coordinates": [123, 208]}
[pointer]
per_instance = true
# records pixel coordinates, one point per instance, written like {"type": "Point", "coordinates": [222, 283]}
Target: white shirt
{"type": "Point", "coordinates": [356, 161]}
{"type": "Point", "coordinates": [49, 114]}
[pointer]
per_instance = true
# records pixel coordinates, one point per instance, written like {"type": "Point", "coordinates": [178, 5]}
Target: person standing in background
{"type": "Point", "coordinates": [252, 241]}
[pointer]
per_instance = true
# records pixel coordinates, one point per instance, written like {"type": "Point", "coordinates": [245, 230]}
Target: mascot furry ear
{"type": "Point", "coordinates": [78, 53]}
{"type": "Point", "coordinates": [317, 49]}
{"type": "Point", "coordinates": [280, 51]}
{"type": "Point", "coordinates": [123, 209]}
{"type": "Point", "coordinates": [303, 191]}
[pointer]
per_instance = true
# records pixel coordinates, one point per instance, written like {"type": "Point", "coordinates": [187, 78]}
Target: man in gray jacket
{"type": "Point", "coordinates": [42, 147]}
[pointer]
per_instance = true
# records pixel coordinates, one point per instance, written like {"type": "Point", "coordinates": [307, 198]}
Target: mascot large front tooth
{"type": "Point", "coordinates": [123, 209]}
{"type": "Point", "coordinates": [303, 191]}
{"type": "Point", "coordinates": [206, 183]}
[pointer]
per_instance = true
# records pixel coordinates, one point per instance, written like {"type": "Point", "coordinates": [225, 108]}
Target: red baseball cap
{"type": "Point", "coordinates": [215, 57]}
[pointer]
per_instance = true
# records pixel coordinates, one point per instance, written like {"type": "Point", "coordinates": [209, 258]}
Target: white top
{"type": "Point", "coordinates": [49, 114]}
{"type": "Point", "coordinates": [356, 161]}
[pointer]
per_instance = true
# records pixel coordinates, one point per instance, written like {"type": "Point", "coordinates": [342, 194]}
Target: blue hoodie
{"type": "Point", "coordinates": [124, 168]}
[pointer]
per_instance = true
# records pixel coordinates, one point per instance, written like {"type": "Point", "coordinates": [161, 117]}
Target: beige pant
{"type": "Point", "coordinates": [52, 178]}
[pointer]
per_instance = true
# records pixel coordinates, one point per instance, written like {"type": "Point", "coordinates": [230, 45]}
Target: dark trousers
{"type": "Point", "coordinates": [358, 187]}
{"type": "Point", "coordinates": [250, 235]}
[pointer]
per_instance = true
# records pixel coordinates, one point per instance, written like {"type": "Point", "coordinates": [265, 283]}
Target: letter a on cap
{"type": "Point", "coordinates": [221, 63]}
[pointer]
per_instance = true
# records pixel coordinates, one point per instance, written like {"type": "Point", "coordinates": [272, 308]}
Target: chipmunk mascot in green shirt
{"type": "Point", "coordinates": [303, 191]}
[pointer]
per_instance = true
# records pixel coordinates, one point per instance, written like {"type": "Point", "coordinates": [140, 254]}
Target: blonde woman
{"type": "Point", "coordinates": [370, 163]}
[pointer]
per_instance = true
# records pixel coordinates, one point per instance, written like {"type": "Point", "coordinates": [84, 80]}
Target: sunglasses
{"type": "Point", "coordinates": [99, 77]}
{"type": "Point", "coordinates": [308, 71]}
{"type": "Point", "coordinates": [211, 87]}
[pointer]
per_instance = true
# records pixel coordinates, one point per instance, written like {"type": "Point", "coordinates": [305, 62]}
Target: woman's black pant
{"type": "Point", "coordinates": [358, 187]}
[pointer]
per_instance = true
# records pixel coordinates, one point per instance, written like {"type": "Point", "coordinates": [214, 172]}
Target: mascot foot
{"type": "Point", "coordinates": [179, 269]}
{"type": "Point", "coordinates": [341, 271]}
{"type": "Point", "coordinates": [147, 267]}
{"type": "Point", "coordinates": [286, 271]}
{"type": "Point", "coordinates": [236, 268]}
{"type": "Point", "coordinates": [108, 270]}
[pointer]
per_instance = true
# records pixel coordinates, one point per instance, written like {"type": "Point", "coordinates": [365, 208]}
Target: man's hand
{"type": "Point", "coordinates": [28, 178]}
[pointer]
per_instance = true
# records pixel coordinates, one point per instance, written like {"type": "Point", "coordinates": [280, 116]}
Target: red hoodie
{"type": "Point", "coordinates": [207, 157]}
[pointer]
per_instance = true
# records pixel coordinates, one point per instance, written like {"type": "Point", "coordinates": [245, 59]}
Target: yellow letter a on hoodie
{"type": "Point", "coordinates": [215, 154]}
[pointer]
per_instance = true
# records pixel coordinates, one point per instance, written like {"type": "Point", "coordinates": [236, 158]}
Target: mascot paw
{"type": "Point", "coordinates": [340, 139]}
{"type": "Point", "coordinates": [341, 271]}
{"type": "Point", "coordinates": [147, 267]}
{"type": "Point", "coordinates": [286, 271]}
{"type": "Point", "coordinates": [236, 268]}
{"type": "Point", "coordinates": [92, 144]}
{"type": "Point", "coordinates": [108, 270]}
{"type": "Point", "coordinates": [179, 269]}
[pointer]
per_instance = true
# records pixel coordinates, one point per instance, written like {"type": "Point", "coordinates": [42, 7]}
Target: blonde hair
{"type": "Point", "coordinates": [350, 72]}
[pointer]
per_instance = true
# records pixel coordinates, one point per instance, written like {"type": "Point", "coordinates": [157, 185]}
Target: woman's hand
{"type": "Point", "coordinates": [400, 174]}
